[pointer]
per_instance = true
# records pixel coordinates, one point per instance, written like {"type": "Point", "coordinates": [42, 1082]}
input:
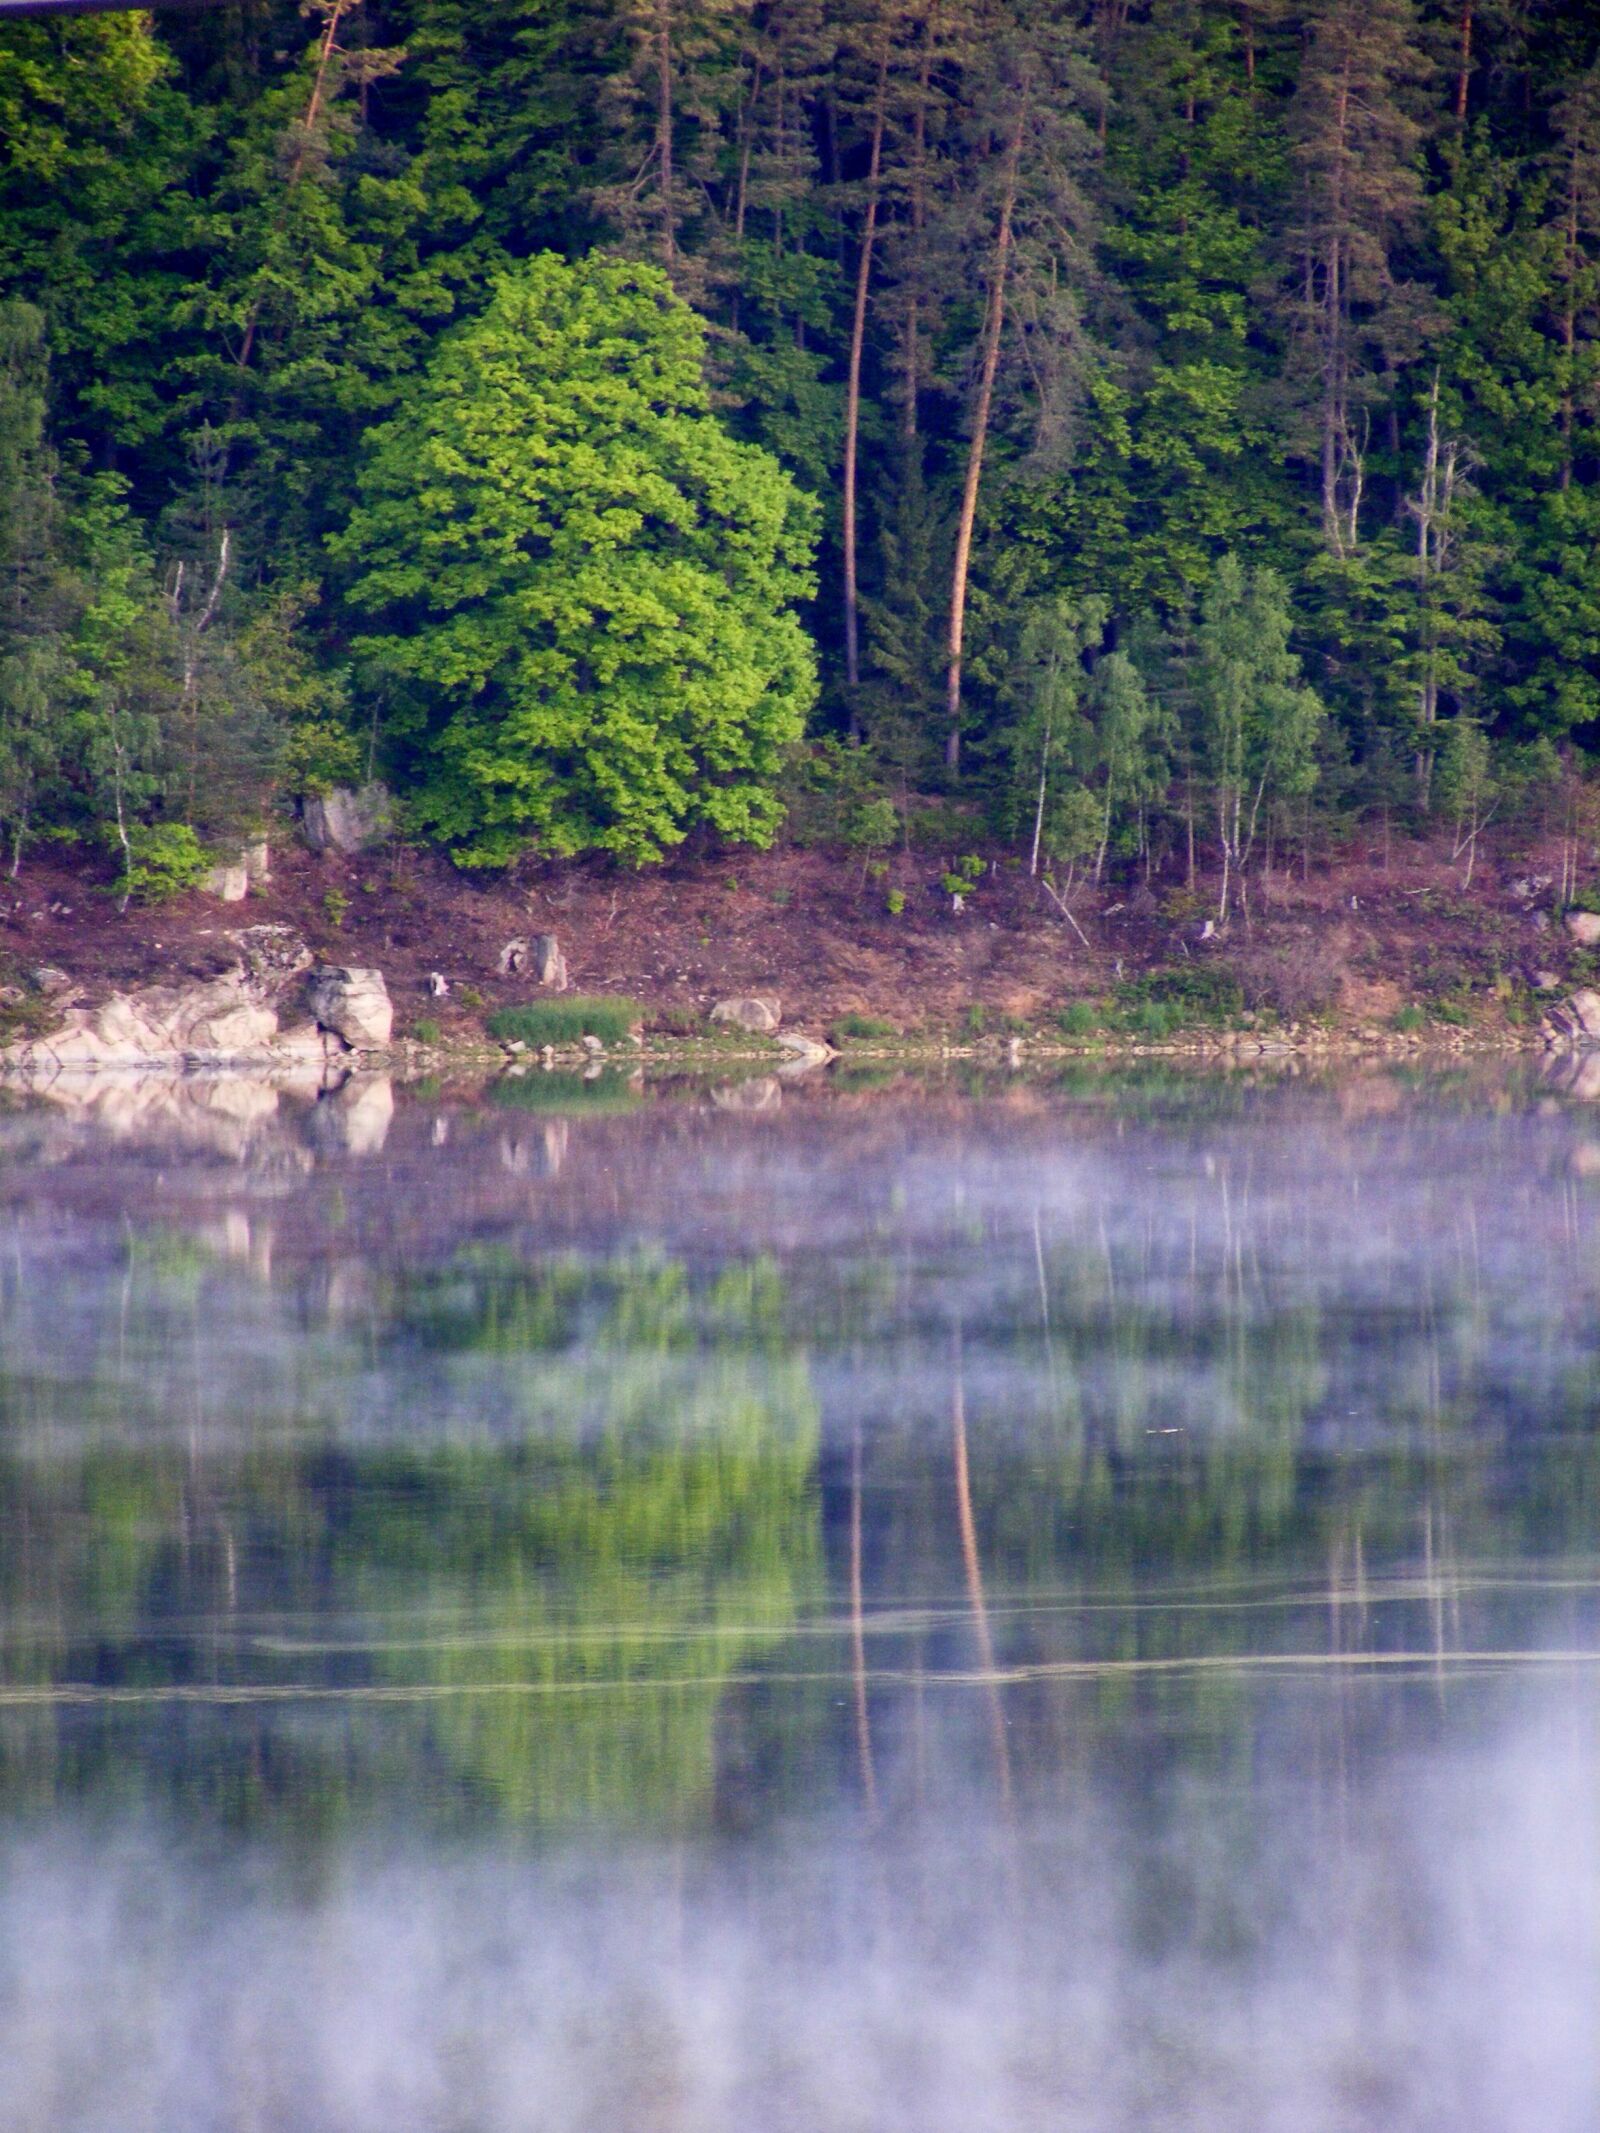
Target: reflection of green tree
{"type": "Point", "coordinates": [556, 1603]}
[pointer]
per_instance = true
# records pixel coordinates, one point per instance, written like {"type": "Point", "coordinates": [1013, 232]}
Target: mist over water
{"type": "Point", "coordinates": [1077, 1611]}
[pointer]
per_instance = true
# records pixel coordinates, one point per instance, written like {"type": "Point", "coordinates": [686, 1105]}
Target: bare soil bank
{"type": "Point", "coordinates": [1366, 939]}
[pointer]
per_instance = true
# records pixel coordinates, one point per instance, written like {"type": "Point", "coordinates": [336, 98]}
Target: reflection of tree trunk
{"type": "Point", "coordinates": [974, 1573]}
{"type": "Point", "coordinates": [858, 1638]}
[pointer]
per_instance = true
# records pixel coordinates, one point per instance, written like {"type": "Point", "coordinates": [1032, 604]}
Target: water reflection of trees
{"type": "Point", "coordinates": [533, 1619]}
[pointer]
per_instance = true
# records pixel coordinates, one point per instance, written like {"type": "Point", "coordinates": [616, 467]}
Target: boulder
{"type": "Point", "coordinates": [50, 981]}
{"type": "Point", "coordinates": [438, 985]}
{"type": "Point", "coordinates": [512, 958]}
{"type": "Point", "coordinates": [804, 1052]}
{"type": "Point", "coordinates": [229, 882]}
{"type": "Point", "coordinates": [1584, 926]}
{"type": "Point", "coordinates": [1577, 1018]}
{"type": "Point", "coordinates": [346, 820]}
{"type": "Point", "coordinates": [759, 1016]}
{"type": "Point", "coordinates": [549, 964]}
{"type": "Point", "coordinates": [353, 1003]}
{"type": "Point", "coordinates": [256, 859]}
{"type": "Point", "coordinates": [271, 954]}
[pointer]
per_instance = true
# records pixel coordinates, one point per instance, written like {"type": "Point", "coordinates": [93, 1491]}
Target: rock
{"type": "Point", "coordinates": [49, 981]}
{"type": "Point", "coordinates": [438, 985]}
{"type": "Point", "coordinates": [1576, 1019]}
{"type": "Point", "coordinates": [549, 964]}
{"type": "Point", "coordinates": [346, 820]}
{"type": "Point", "coordinates": [1584, 926]}
{"type": "Point", "coordinates": [592, 1044]}
{"type": "Point", "coordinates": [306, 1045]}
{"type": "Point", "coordinates": [256, 860]}
{"type": "Point", "coordinates": [759, 1016]}
{"type": "Point", "coordinates": [271, 954]}
{"type": "Point", "coordinates": [804, 1051]}
{"type": "Point", "coordinates": [1530, 886]}
{"type": "Point", "coordinates": [159, 1025]}
{"type": "Point", "coordinates": [230, 882]}
{"type": "Point", "coordinates": [1547, 981]}
{"type": "Point", "coordinates": [512, 958]}
{"type": "Point", "coordinates": [353, 1003]}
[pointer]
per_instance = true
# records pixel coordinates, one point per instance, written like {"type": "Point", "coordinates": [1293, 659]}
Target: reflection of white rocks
{"type": "Point", "coordinates": [762, 1092]}
{"type": "Point", "coordinates": [353, 1003]}
{"type": "Point", "coordinates": [355, 1118]}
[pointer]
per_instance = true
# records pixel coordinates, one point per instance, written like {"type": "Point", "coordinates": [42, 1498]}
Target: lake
{"type": "Point", "coordinates": [916, 1608]}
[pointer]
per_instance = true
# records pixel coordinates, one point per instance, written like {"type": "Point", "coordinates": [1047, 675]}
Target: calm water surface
{"type": "Point", "coordinates": [916, 1611]}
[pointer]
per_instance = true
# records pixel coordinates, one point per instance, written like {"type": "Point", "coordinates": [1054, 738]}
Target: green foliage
{"type": "Point", "coordinates": [335, 906]}
{"type": "Point", "coordinates": [583, 584]}
{"type": "Point", "coordinates": [863, 1028]}
{"type": "Point", "coordinates": [161, 859]}
{"type": "Point", "coordinates": [566, 1019]}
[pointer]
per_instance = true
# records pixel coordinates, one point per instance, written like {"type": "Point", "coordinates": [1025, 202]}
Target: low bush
{"type": "Point", "coordinates": [564, 1021]}
{"type": "Point", "coordinates": [1081, 1018]}
{"type": "Point", "coordinates": [1184, 995]}
{"type": "Point", "coordinates": [864, 1027]}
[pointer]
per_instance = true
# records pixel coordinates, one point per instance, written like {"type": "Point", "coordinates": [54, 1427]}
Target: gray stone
{"type": "Point", "coordinates": [760, 1016]}
{"type": "Point", "coordinates": [49, 981]}
{"type": "Point", "coordinates": [271, 954]}
{"type": "Point", "coordinates": [438, 985]}
{"type": "Point", "coordinates": [230, 882]}
{"type": "Point", "coordinates": [804, 1051]}
{"type": "Point", "coordinates": [593, 1044]}
{"type": "Point", "coordinates": [549, 964]}
{"type": "Point", "coordinates": [353, 1003]}
{"type": "Point", "coordinates": [1584, 926]}
{"type": "Point", "coordinates": [256, 859]}
{"type": "Point", "coordinates": [346, 820]}
{"type": "Point", "coordinates": [1576, 1020]}
{"type": "Point", "coordinates": [512, 958]}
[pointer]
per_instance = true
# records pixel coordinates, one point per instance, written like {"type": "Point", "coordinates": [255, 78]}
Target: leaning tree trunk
{"type": "Point", "coordinates": [852, 403]}
{"type": "Point", "coordinates": [993, 328]}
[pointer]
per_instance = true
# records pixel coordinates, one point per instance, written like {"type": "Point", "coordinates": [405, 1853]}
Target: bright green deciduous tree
{"type": "Point", "coordinates": [1259, 723]}
{"type": "Point", "coordinates": [582, 586]}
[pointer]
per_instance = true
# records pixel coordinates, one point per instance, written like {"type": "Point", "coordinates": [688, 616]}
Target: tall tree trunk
{"type": "Point", "coordinates": [664, 129]}
{"type": "Point", "coordinates": [852, 400]}
{"type": "Point", "coordinates": [1463, 61]}
{"type": "Point", "coordinates": [993, 329]}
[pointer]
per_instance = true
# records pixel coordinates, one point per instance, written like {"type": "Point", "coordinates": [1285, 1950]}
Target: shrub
{"type": "Point", "coordinates": [1188, 993]}
{"type": "Point", "coordinates": [427, 1031]}
{"type": "Point", "coordinates": [162, 859]}
{"type": "Point", "coordinates": [565, 1021]}
{"type": "Point", "coordinates": [1081, 1018]}
{"type": "Point", "coordinates": [895, 902]}
{"type": "Point", "coordinates": [1291, 978]}
{"type": "Point", "coordinates": [864, 1026]}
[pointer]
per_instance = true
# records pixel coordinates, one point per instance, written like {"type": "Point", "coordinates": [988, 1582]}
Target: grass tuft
{"type": "Point", "coordinates": [564, 1021]}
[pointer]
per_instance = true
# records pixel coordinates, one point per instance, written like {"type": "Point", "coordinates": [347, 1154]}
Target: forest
{"type": "Point", "coordinates": [1164, 434]}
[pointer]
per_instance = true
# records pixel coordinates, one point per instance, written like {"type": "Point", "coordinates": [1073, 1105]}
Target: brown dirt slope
{"type": "Point", "coordinates": [1358, 939]}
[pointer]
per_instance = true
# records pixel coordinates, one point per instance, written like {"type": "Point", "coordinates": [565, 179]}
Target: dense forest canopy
{"type": "Point", "coordinates": [1168, 422]}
